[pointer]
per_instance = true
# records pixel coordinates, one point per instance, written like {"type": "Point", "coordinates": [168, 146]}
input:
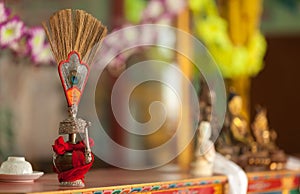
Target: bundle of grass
{"type": "Point", "coordinates": [74, 30]}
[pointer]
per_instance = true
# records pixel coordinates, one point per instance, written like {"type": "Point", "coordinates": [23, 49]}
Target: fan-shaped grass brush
{"type": "Point", "coordinates": [74, 30]}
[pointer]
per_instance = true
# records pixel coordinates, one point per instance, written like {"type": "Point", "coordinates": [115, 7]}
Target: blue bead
{"type": "Point", "coordinates": [74, 80]}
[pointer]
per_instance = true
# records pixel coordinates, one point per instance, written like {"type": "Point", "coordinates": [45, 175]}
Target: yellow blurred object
{"type": "Point", "coordinates": [185, 158]}
{"type": "Point", "coordinates": [231, 34]}
{"type": "Point", "coordinates": [243, 19]}
{"type": "Point", "coordinates": [234, 21]}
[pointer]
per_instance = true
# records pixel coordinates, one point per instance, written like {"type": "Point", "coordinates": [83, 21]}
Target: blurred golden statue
{"type": "Point", "coordinates": [235, 138]}
{"type": "Point", "coordinates": [238, 124]}
{"type": "Point", "coordinates": [264, 136]}
{"type": "Point", "coordinates": [265, 140]}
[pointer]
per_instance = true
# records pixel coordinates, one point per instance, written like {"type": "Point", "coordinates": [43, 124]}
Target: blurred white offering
{"type": "Point", "coordinates": [237, 178]}
{"type": "Point", "coordinates": [17, 169]}
{"type": "Point", "coordinates": [205, 152]}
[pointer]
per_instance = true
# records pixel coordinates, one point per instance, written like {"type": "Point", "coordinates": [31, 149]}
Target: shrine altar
{"type": "Point", "coordinates": [116, 181]}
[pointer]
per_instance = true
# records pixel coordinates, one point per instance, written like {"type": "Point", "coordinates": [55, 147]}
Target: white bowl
{"type": "Point", "coordinates": [16, 166]}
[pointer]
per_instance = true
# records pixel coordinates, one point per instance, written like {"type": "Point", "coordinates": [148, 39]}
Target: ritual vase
{"type": "Point", "coordinates": [63, 162]}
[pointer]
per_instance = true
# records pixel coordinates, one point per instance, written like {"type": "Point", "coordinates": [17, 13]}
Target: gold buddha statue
{"type": "Point", "coordinates": [266, 140]}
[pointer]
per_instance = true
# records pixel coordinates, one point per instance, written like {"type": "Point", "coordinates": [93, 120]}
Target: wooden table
{"type": "Point", "coordinates": [115, 181]}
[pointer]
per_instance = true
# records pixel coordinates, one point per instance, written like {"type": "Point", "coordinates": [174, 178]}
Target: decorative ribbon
{"type": "Point", "coordinates": [80, 167]}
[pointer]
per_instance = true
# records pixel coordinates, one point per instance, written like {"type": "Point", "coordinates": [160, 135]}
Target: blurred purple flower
{"type": "Point", "coordinates": [153, 11]}
{"type": "Point", "coordinates": [11, 31]}
{"type": "Point", "coordinates": [39, 49]}
{"type": "Point", "coordinates": [21, 40]}
{"type": "Point", "coordinates": [174, 7]}
{"type": "Point", "coordinates": [20, 47]}
{"type": "Point", "coordinates": [4, 12]}
{"type": "Point", "coordinates": [36, 40]}
{"type": "Point", "coordinates": [43, 56]}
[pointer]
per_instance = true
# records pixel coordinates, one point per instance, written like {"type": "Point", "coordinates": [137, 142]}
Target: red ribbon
{"type": "Point", "coordinates": [80, 167]}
